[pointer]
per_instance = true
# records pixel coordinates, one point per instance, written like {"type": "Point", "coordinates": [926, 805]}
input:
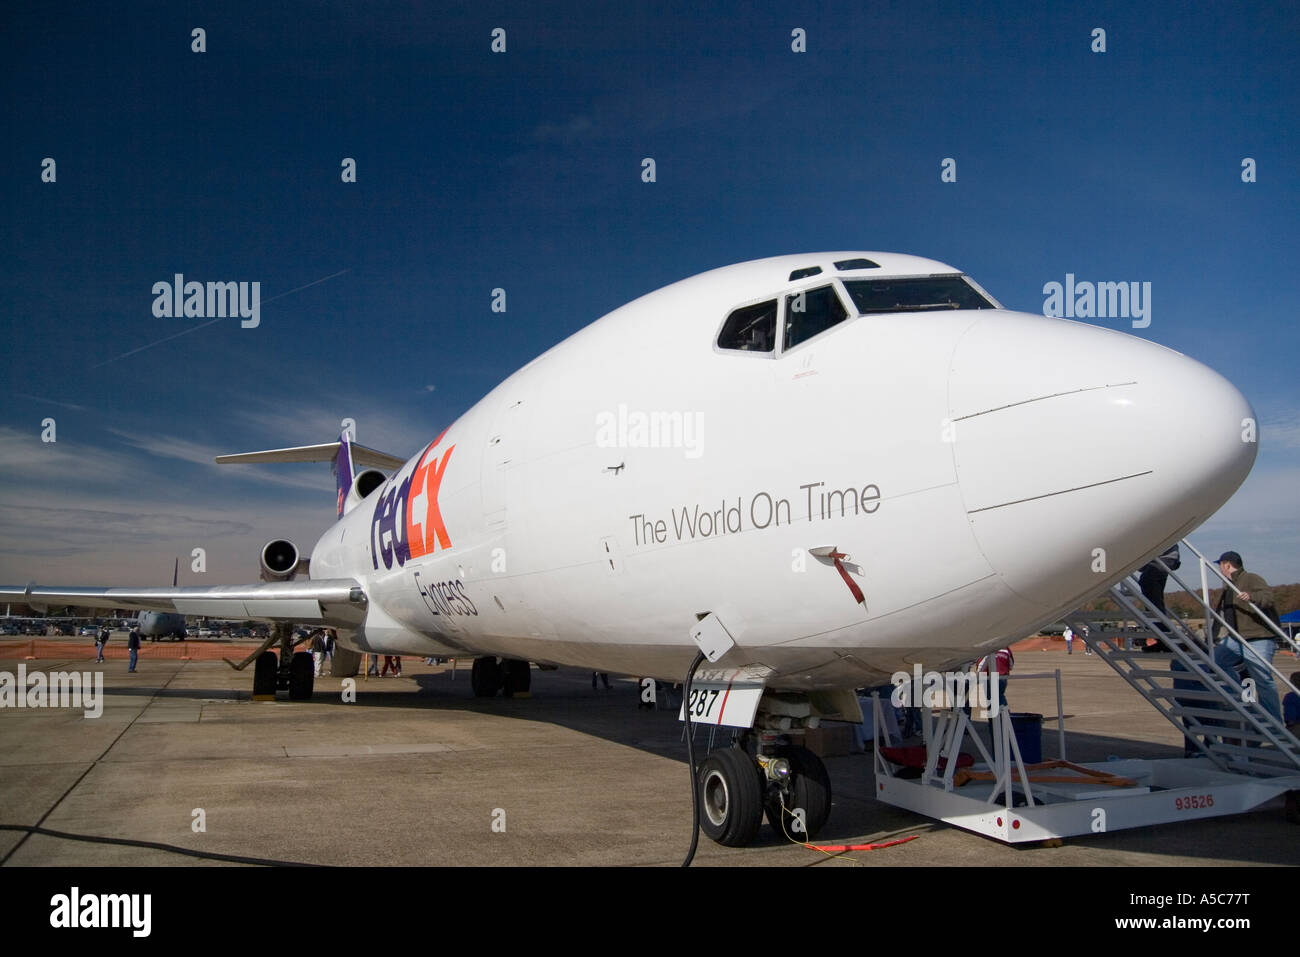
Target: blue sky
{"type": "Point", "coordinates": [522, 171]}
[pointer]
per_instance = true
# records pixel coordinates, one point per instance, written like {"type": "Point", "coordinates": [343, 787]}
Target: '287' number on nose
{"type": "Point", "coordinates": [702, 701]}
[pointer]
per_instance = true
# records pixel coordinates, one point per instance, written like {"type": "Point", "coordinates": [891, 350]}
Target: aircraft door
{"type": "Point", "coordinates": [501, 463]}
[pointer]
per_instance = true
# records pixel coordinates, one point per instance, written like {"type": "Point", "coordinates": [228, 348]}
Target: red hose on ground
{"type": "Point", "coordinates": [832, 848]}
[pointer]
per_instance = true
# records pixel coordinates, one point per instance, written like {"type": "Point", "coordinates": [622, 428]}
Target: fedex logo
{"type": "Point", "coordinates": [407, 521]}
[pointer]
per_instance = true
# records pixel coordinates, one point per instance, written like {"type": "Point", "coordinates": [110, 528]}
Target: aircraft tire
{"type": "Point", "coordinates": [810, 790]}
{"type": "Point", "coordinates": [731, 797]}
{"type": "Point", "coordinates": [485, 677]}
{"type": "Point", "coordinates": [517, 677]}
{"type": "Point", "coordinates": [264, 670]}
{"type": "Point", "coordinates": [302, 677]}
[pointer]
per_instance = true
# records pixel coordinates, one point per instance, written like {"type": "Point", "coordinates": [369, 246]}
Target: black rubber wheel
{"type": "Point", "coordinates": [731, 797]}
{"type": "Point", "coordinates": [264, 670]}
{"type": "Point", "coordinates": [809, 789]}
{"type": "Point", "coordinates": [302, 676]}
{"type": "Point", "coordinates": [485, 678]}
{"type": "Point", "coordinates": [516, 677]}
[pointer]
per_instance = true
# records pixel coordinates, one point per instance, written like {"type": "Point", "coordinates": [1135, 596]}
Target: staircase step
{"type": "Point", "coordinates": [1193, 710]}
{"type": "Point", "coordinates": [1241, 735]}
{"type": "Point", "coordinates": [1182, 693]}
{"type": "Point", "coordinates": [1213, 714]}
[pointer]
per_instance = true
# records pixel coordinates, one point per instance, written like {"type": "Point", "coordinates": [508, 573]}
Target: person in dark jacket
{"type": "Point", "coordinates": [1291, 706]}
{"type": "Point", "coordinates": [100, 642]}
{"type": "Point", "coordinates": [1260, 639]}
{"type": "Point", "coordinates": [133, 647]}
{"type": "Point", "coordinates": [1152, 578]}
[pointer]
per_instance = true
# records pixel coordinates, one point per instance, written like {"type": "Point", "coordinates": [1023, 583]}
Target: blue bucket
{"type": "Point", "coordinates": [1029, 736]}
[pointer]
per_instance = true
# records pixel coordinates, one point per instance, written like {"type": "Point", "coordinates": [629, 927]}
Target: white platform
{"type": "Point", "coordinates": [1163, 791]}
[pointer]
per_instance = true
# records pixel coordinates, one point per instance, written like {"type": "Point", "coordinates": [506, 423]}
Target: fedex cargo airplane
{"type": "Point", "coordinates": [828, 467]}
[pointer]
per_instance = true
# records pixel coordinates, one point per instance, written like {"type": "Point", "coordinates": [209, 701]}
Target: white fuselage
{"type": "Point", "coordinates": [985, 471]}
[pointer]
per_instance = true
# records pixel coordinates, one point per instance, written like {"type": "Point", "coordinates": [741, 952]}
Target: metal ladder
{"type": "Point", "coordinates": [1238, 735]}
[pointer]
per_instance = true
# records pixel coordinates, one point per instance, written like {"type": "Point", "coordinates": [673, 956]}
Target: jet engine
{"type": "Point", "coordinates": [280, 561]}
{"type": "Point", "coordinates": [365, 483]}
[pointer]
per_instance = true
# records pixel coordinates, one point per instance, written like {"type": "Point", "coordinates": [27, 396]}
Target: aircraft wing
{"type": "Point", "coordinates": [334, 602]}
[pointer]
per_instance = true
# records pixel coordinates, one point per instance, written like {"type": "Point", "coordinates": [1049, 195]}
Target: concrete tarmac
{"type": "Point", "coordinates": [419, 772]}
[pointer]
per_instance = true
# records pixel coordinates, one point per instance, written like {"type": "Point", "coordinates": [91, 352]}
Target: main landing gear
{"type": "Point", "coordinates": [292, 671]}
{"type": "Point", "coordinates": [785, 782]}
{"type": "Point", "coordinates": [510, 676]}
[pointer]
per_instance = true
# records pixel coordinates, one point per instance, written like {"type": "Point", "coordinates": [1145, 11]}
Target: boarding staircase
{"type": "Point", "coordinates": [1208, 705]}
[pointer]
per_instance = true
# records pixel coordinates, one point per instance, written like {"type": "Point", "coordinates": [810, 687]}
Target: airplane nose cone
{"type": "Point", "coordinates": [1080, 451]}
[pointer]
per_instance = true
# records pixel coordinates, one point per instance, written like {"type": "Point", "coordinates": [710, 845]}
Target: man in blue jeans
{"type": "Point", "coordinates": [1190, 750]}
{"type": "Point", "coordinates": [133, 647]}
{"type": "Point", "coordinates": [1261, 644]}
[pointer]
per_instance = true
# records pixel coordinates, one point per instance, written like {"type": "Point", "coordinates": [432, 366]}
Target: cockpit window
{"type": "Point", "coordinates": [915, 294]}
{"type": "Point", "coordinates": [805, 273]}
{"type": "Point", "coordinates": [750, 329]}
{"type": "Point", "coordinates": [810, 312]}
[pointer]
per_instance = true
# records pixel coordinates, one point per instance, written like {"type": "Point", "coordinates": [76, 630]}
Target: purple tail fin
{"type": "Point", "coordinates": [343, 469]}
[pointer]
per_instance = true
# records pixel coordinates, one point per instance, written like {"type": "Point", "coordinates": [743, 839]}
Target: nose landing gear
{"type": "Point", "coordinates": [798, 793]}
{"type": "Point", "coordinates": [731, 797]}
{"type": "Point", "coordinates": [785, 782]}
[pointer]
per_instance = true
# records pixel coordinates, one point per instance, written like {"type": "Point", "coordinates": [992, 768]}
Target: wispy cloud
{"type": "Point", "coordinates": [55, 402]}
{"type": "Point", "coordinates": [117, 512]}
{"type": "Point", "coordinates": [173, 447]}
{"type": "Point", "coordinates": [86, 527]}
{"type": "Point", "coordinates": [309, 421]}
{"type": "Point", "coordinates": [170, 447]}
{"type": "Point", "coordinates": [97, 539]}
{"type": "Point", "coordinates": [25, 458]}
{"type": "Point", "coordinates": [1281, 430]}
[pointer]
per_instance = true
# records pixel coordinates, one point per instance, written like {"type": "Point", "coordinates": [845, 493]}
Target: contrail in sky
{"type": "Point", "coordinates": [202, 325]}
